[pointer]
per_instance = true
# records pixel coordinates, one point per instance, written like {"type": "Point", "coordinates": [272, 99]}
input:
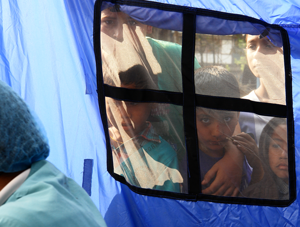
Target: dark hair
{"type": "Point", "coordinates": [216, 81]}
{"type": "Point", "coordinates": [115, 8]}
{"type": "Point", "coordinates": [139, 76]}
{"type": "Point", "coordinates": [264, 141]}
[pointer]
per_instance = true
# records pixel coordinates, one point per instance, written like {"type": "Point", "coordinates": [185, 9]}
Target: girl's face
{"type": "Point", "coordinates": [278, 156]}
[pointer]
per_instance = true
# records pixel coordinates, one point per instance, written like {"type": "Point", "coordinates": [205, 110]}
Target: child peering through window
{"type": "Point", "coordinates": [266, 62]}
{"type": "Point", "coordinates": [140, 154]}
{"type": "Point", "coordinates": [274, 158]}
{"type": "Point", "coordinates": [215, 127]}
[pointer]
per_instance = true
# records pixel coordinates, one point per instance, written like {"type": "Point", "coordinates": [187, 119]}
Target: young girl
{"type": "Point", "coordinates": [274, 158]}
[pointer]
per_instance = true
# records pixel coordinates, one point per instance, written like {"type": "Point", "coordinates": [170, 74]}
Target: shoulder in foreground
{"type": "Point", "coordinates": [49, 198]}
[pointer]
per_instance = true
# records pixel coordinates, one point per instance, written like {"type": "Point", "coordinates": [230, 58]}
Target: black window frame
{"type": "Point", "coordinates": [189, 100]}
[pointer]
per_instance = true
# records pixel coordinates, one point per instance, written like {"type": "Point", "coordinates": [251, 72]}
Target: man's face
{"type": "Point", "coordinates": [112, 24]}
{"type": "Point", "coordinates": [213, 128]}
{"type": "Point", "coordinates": [278, 156]}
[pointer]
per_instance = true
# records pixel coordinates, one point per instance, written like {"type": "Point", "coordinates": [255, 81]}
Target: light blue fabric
{"type": "Point", "coordinates": [47, 57]}
{"type": "Point", "coordinates": [49, 198]}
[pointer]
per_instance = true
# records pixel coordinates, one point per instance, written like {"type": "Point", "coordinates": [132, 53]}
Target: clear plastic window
{"type": "Point", "coordinates": [126, 42]}
{"type": "Point", "coordinates": [249, 67]}
{"type": "Point", "coordinates": [239, 153]}
{"type": "Point", "coordinates": [138, 56]}
{"type": "Point", "coordinates": [263, 171]}
{"type": "Point", "coordinates": [145, 150]}
{"type": "Point", "coordinates": [272, 158]}
{"type": "Point", "coordinates": [256, 62]}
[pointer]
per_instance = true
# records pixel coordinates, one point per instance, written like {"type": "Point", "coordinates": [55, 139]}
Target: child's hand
{"type": "Point", "coordinates": [246, 144]}
{"type": "Point", "coordinates": [222, 185]}
{"type": "Point", "coordinates": [227, 173]}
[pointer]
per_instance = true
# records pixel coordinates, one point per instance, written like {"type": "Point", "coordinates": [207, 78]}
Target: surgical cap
{"type": "Point", "coordinates": [21, 140]}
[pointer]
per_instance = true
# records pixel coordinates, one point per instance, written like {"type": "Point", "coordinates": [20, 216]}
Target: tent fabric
{"type": "Point", "coordinates": [47, 57]}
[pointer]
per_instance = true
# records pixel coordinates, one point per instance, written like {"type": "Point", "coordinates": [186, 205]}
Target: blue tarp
{"type": "Point", "coordinates": [47, 57]}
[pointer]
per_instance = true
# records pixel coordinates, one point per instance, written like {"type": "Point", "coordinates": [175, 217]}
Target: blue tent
{"type": "Point", "coordinates": [48, 58]}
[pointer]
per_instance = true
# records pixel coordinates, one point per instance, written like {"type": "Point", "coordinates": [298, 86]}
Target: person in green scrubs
{"type": "Point", "coordinates": [33, 192]}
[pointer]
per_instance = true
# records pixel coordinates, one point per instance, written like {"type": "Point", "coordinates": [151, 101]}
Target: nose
{"type": "Point", "coordinates": [118, 32]}
{"type": "Point", "coordinates": [217, 131]}
{"type": "Point", "coordinates": [284, 151]}
{"type": "Point", "coordinates": [122, 112]}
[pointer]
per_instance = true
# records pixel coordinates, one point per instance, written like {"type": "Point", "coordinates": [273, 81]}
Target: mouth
{"type": "Point", "coordinates": [283, 166]}
{"type": "Point", "coordinates": [127, 126]}
{"type": "Point", "coordinates": [217, 143]}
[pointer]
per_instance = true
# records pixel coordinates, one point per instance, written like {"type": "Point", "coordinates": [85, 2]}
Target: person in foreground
{"type": "Point", "coordinates": [274, 158]}
{"type": "Point", "coordinates": [32, 191]}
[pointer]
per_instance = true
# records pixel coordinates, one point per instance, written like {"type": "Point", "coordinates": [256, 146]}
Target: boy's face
{"type": "Point", "coordinates": [130, 116]}
{"type": "Point", "coordinates": [213, 128]}
{"type": "Point", "coordinates": [112, 24]}
{"type": "Point", "coordinates": [278, 156]}
{"type": "Point", "coordinates": [262, 55]}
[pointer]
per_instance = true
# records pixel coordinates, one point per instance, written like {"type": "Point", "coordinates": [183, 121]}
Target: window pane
{"type": "Point", "coordinates": [262, 172]}
{"type": "Point", "coordinates": [265, 61]}
{"type": "Point", "coordinates": [272, 158]}
{"type": "Point", "coordinates": [126, 42]}
{"type": "Point", "coordinates": [147, 149]}
{"type": "Point", "coordinates": [255, 61]}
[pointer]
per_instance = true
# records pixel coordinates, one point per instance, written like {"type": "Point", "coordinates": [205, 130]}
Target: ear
{"type": "Point", "coordinates": [149, 29]}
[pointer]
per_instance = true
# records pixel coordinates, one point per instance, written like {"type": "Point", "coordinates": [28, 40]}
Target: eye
{"type": "Point", "coordinates": [205, 120]}
{"type": "Point", "coordinates": [108, 22]}
{"type": "Point", "coordinates": [227, 119]}
{"type": "Point", "coordinates": [275, 145]}
{"type": "Point", "coordinates": [269, 45]}
{"type": "Point", "coordinates": [251, 47]}
{"type": "Point", "coordinates": [132, 22]}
